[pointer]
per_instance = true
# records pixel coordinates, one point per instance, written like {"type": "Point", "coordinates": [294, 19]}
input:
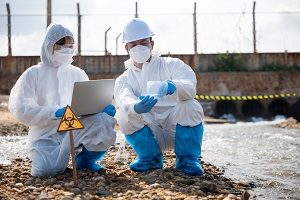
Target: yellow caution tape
{"type": "Point", "coordinates": [248, 97]}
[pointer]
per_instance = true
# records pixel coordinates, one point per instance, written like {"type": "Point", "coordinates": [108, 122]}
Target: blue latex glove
{"type": "Point", "coordinates": [110, 110]}
{"type": "Point", "coordinates": [145, 105]}
{"type": "Point", "coordinates": [167, 88]}
{"type": "Point", "coordinates": [60, 112]}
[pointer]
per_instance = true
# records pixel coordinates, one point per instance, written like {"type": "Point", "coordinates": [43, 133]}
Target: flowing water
{"type": "Point", "coordinates": [258, 153]}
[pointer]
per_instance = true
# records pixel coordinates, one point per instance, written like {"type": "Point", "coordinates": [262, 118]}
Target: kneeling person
{"type": "Point", "coordinates": [41, 94]}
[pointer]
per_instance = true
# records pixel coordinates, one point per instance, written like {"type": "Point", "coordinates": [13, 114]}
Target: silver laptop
{"type": "Point", "coordinates": [91, 97]}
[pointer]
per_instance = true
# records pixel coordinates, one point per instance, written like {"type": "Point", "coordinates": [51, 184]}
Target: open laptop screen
{"type": "Point", "coordinates": [91, 97]}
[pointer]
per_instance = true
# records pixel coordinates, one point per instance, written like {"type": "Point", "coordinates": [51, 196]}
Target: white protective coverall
{"type": "Point", "coordinates": [179, 108]}
{"type": "Point", "coordinates": [38, 93]}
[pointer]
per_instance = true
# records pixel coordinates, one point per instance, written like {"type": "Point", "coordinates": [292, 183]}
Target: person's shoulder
{"type": "Point", "coordinates": [172, 60]}
{"type": "Point", "coordinates": [32, 69]}
{"type": "Point", "coordinates": [123, 76]}
{"type": "Point", "coordinates": [76, 69]}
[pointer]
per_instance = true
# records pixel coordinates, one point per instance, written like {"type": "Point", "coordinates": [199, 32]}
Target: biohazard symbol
{"type": "Point", "coordinates": [69, 121]}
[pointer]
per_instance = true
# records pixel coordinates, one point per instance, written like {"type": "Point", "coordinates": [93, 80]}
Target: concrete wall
{"type": "Point", "coordinates": [113, 64]}
{"type": "Point", "coordinates": [217, 83]}
{"type": "Point", "coordinates": [248, 83]}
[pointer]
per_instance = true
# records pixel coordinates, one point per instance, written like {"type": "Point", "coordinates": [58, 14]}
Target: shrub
{"type": "Point", "coordinates": [229, 63]}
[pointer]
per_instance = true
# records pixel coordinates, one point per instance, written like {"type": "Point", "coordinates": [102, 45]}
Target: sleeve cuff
{"type": "Point", "coordinates": [131, 109]}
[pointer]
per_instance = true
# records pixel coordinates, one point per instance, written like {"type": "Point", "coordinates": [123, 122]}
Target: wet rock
{"type": "Point", "coordinates": [71, 184]}
{"type": "Point", "coordinates": [245, 195]}
{"type": "Point", "coordinates": [51, 181]}
{"type": "Point", "coordinates": [76, 191]}
{"type": "Point", "coordinates": [56, 186]}
{"type": "Point", "coordinates": [98, 178]}
{"type": "Point", "coordinates": [28, 182]}
{"type": "Point", "coordinates": [224, 191]}
{"type": "Point", "coordinates": [102, 193]}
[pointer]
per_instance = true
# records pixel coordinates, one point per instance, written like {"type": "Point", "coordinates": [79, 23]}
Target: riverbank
{"type": "Point", "coordinates": [117, 183]}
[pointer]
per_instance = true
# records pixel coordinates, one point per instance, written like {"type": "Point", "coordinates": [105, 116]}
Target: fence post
{"type": "Point", "coordinates": [9, 29]}
{"type": "Point", "coordinates": [49, 11]}
{"type": "Point", "coordinates": [79, 36]}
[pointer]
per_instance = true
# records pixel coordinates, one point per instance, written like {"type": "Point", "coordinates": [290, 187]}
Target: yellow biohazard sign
{"type": "Point", "coordinates": [69, 121]}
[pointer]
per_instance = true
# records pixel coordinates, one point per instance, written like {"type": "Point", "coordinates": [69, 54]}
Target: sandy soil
{"type": "Point", "coordinates": [118, 182]}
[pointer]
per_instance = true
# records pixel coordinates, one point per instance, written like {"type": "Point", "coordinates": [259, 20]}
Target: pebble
{"type": "Point", "coordinates": [28, 182]}
{"type": "Point", "coordinates": [51, 181]}
{"type": "Point", "coordinates": [243, 184]}
{"type": "Point", "coordinates": [19, 185]}
{"type": "Point", "coordinates": [98, 178]}
{"type": "Point", "coordinates": [155, 185]}
{"type": "Point", "coordinates": [43, 196]}
{"type": "Point", "coordinates": [67, 198]}
{"type": "Point", "coordinates": [71, 184]}
{"type": "Point", "coordinates": [76, 191]}
{"type": "Point", "coordinates": [100, 193]}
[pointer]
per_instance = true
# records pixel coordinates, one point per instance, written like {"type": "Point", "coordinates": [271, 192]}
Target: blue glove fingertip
{"type": "Point", "coordinates": [163, 89]}
{"type": "Point", "coordinates": [171, 87]}
{"type": "Point", "coordinates": [60, 112]}
{"type": "Point", "coordinates": [110, 110]}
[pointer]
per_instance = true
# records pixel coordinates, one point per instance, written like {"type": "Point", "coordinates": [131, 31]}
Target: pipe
{"type": "Point", "coordinates": [225, 107]}
{"type": "Point", "coordinates": [252, 108]}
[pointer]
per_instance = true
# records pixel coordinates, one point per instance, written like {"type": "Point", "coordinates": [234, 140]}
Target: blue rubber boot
{"type": "Point", "coordinates": [148, 152]}
{"type": "Point", "coordinates": [89, 160]}
{"type": "Point", "coordinates": [188, 142]}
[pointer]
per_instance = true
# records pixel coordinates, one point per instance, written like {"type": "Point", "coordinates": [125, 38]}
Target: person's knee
{"type": "Point", "coordinates": [45, 169]}
{"type": "Point", "coordinates": [187, 113]}
{"type": "Point", "coordinates": [43, 166]}
{"type": "Point", "coordinates": [188, 105]}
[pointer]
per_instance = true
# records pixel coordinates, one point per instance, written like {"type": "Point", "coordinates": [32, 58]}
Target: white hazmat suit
{"type": "Point", "coordinates": [179, 108]}
{"type": "Point", "coordinates": [39, 92]}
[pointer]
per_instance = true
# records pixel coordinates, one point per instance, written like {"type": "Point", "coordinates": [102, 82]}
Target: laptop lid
{"type": "Point", "coordinates": [91, 97]}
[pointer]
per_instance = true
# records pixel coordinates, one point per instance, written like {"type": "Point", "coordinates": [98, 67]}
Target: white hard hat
{"type": "Point", "coordinates": [136, 29]}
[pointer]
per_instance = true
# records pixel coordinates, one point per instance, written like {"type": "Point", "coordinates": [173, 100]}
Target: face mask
{"type": "Point", "coordinates": [63, 56]}
{"type": "Point", "coordinates": [140, 53]}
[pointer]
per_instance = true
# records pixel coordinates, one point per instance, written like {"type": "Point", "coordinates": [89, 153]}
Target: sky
{"type": "Point", "coordinates": [221, 25]}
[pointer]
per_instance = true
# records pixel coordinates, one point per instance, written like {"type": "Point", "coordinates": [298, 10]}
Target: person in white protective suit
{"type": "Point", "coordinates": [167, 118]}
{"type": "Point", "coordinates": [41, 94]}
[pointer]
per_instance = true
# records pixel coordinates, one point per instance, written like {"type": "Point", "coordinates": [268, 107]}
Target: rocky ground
{"type": "Point", "coordinates": [118, 182]}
